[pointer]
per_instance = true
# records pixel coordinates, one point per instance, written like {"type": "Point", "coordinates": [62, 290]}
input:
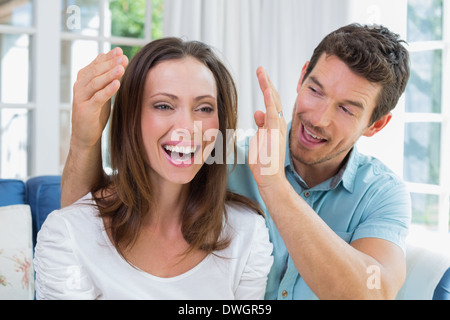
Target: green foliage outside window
{"type": "Point", "coordinates": [128, 20]}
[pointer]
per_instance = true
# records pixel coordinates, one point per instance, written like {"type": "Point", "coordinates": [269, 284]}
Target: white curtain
{"type": "Point", "coordinates": [279, 35]}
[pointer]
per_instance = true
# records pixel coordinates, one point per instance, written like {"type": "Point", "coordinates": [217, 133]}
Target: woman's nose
{"type": "Point", "coordinates": [186, 127]}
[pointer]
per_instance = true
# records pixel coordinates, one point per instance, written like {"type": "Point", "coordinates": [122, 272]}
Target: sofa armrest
{"type": "Point", "coordinates": [12, 192]}
{"type": "Point", "coordinates": [442, 291]}
{"type": "Point", "coordinates": [426, 275]}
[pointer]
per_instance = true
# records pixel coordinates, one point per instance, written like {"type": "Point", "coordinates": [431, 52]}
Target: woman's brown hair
{"type": "Point", "coordinates": [127, 197]}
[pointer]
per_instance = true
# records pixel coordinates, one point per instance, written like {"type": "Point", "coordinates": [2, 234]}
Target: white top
{"type": "Point", "coordinates": [75, 259]}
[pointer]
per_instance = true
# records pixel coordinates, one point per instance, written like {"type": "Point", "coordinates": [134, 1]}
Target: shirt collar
{"type": "Point", "coordinates": [346, 174]}
{"type": "Point", "coordinates": [287, 159]}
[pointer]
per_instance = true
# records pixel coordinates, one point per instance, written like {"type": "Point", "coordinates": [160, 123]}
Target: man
{"type": "Point", "coordinates": [337, 219]}
{"type": "Point", "coordinates": [328, 195]}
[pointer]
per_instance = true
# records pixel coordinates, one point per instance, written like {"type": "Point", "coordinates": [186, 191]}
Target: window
{"type": "Point", "coordinates": [426, 165]}
{"type": "Point", "coordinates": [43, 44]}
{"type": "Point", "coordinates": [16, 100]}
{"type": "Point", "coordinates": [91, 26]}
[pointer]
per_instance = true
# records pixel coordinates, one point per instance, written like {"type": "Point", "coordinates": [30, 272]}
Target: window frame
{"type": "Point", "coordinates": [102, 39]}
{"type": "Point", "coordinates": [443, 189]}
{"type": "Point", "coordinates": [45, 106]}
{"type": "Point", "coordinates": [30, 105]}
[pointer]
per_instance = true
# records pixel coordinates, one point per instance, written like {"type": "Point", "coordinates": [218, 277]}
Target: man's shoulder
{"type": "Point", "coordinates": [372, 170]}
{"type": "Point", "coordinates": [381, 189]}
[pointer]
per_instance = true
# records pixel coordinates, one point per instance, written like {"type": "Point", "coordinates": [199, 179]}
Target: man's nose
{"type": "Point", "coordinates": [322, 115]}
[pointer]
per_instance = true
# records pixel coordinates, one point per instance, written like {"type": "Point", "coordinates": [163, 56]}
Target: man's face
{"type": "Point", "coordinates": [332, 110]}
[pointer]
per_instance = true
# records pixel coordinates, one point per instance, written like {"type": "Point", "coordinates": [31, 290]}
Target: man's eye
{"type": "Point", "coordinates": [346, 110]}
{"type": "Point", "coordinates": [314, 90]}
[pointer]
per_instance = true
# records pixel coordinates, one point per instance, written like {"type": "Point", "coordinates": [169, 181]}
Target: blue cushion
{"type": "Point", "coordinates": [12, 192]}
{"type": "Point", "coordinates": [43, 195]}
{"type": "Point", "coordinates": [442, 291]}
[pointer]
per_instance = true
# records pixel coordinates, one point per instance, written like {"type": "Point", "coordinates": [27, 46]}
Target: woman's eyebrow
{"type": "Point", "coordinates": [171, 96]}
{"type": "Point", "coordinates": [174, 97]}
{"type": "Point", "coordinates": [206, 96]}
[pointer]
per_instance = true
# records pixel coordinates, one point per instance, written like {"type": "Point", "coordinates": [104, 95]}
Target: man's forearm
{"type": "Point", "coordinates": [331, 267]}
{"type": "Point", "coordinates": [92, 92]}
{"type": "Point", "coordinates": [82, 171]}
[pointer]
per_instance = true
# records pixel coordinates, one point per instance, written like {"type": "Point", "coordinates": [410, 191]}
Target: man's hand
{"type": "Point", "coordinates": [92, 92]}
{"type": "Point", "coordinates": [268, 147]}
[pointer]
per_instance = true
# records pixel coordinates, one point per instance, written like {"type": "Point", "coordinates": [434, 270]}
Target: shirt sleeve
{"type": "Point", "coordinates": [388, 214]}
{"type": "Point", "coordinates": [253, 281]}
{"type": "Point", "coordinates": [59, 275]}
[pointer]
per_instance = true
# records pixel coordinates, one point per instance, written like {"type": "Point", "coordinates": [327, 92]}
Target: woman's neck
{"type": "Point", "coordinates": [169, 203]}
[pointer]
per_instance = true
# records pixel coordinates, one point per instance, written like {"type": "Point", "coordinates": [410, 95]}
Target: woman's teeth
{"type": "Point", "coordinates": [180, 153]}
{"type": "Point", "coordinates": [185, 150]}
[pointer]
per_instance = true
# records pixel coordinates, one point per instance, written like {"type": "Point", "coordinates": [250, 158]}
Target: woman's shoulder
{"type": "Point", "coordinates": [80, 214]}
{"type": "Point", "coordinates": [244, 224]}
{"type": "Point", "coordinates": [243, 216]}
{"type": "Point", "coordinates": [77, 225]}
{"type": "Point", "coordinates": [65, 234]}
{"type": "Point", "coordinates": [250, 250]}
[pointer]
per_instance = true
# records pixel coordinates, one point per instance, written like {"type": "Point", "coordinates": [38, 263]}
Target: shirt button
{"type": "Point", "coordinates": [307, 194]}
{"type": "Point", "coordinates": [284, 294]}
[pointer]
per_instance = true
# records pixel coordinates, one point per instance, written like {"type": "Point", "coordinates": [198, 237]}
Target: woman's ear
{"type": "Point", "coordinates": [378, 125]}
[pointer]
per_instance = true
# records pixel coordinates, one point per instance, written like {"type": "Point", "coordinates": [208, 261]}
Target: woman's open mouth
{"type": "Point", "coordinates": [180, 155]}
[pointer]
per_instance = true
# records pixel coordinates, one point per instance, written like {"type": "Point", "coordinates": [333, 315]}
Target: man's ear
{"type": "Point", "coordinates": [378, 125]}
{"type": "Point", "coordinates": [305, 67]}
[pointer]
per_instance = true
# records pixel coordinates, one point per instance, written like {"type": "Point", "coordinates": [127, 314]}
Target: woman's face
{"type": "Point", "coordinates": [179, 120]}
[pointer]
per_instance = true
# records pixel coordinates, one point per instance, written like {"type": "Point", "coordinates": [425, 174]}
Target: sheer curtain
{"type": "Point", "coordinates": [279, 35]}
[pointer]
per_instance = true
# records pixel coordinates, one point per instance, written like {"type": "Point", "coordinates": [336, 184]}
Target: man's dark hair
{"type": "Point", "coordinates": [374, 53]}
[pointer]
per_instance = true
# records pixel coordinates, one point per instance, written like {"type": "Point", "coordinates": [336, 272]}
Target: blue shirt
{"type": "Point", "coordinates": [364, 200]}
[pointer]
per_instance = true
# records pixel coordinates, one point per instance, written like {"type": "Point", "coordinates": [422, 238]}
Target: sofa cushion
{"type": "Point", "coordinates": [12, 192]}
{"type": "Point", "coordinates": [16, 253]}
{"type": "Point", "coordinates": [43, 196]}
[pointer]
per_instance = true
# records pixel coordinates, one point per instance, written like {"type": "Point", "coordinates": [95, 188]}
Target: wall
{"type": "Point", "coordinates": [387, 145]}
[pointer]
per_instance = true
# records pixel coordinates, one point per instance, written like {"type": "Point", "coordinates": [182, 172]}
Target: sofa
{"type": "Point", "coordinates": [24, 205]}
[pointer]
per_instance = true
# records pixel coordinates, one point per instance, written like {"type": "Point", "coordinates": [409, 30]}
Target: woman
{"type": "Point", "coordinates": [164, 226]}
